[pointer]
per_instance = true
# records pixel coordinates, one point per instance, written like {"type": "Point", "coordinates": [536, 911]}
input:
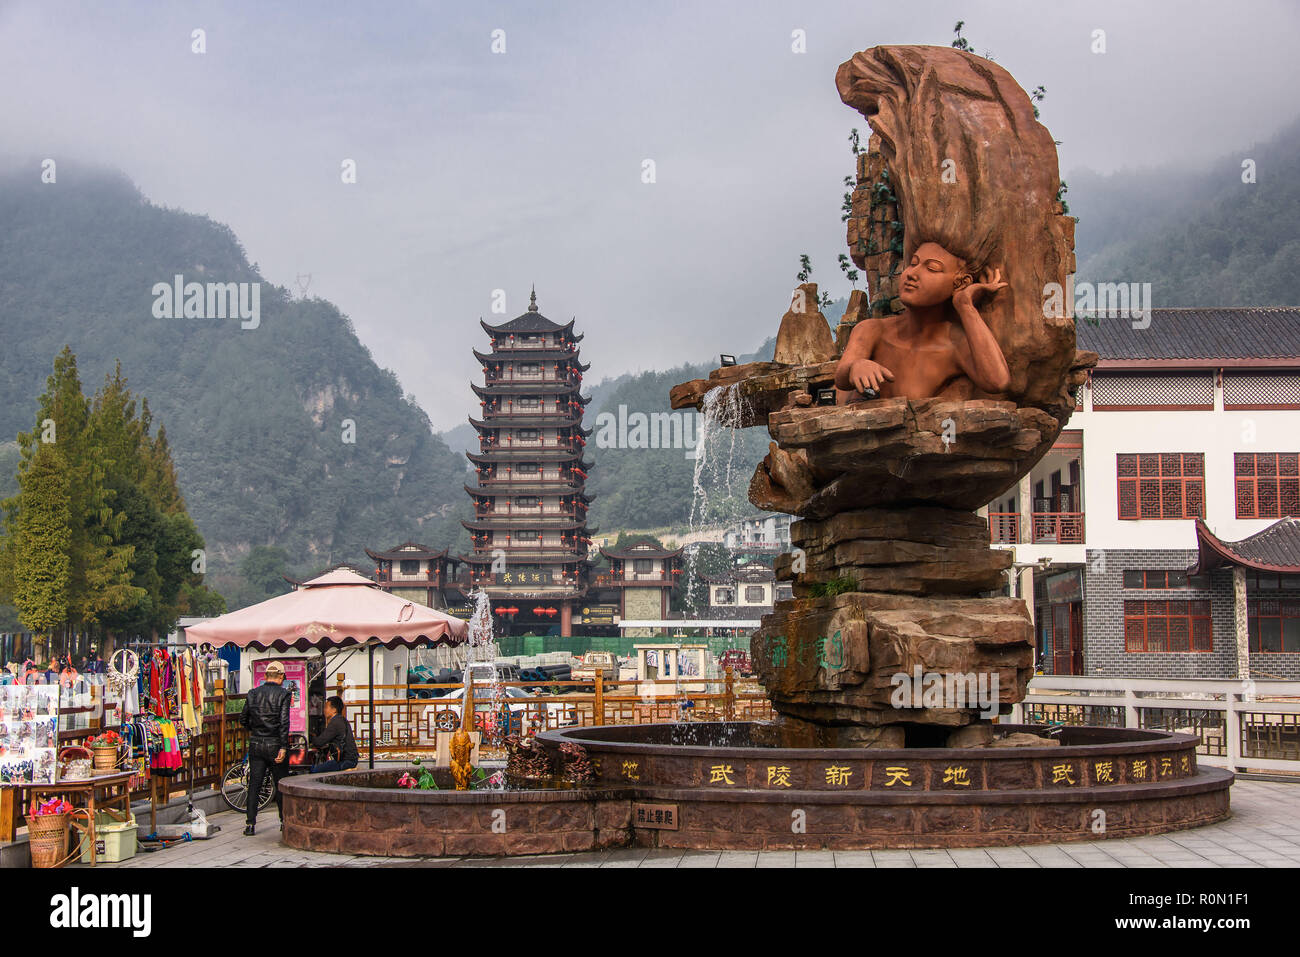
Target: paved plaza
{"type": "Point", "coordinates": [1264, 831]}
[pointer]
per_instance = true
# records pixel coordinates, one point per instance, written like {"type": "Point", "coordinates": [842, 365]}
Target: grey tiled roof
{"type": "Point", "coordinates": [1275, 548]}
{"type": "Point", "coordinates": [1240, 333]}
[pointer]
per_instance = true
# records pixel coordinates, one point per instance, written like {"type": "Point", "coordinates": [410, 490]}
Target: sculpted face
{"type": "Point", "coordinates": [932, 276]}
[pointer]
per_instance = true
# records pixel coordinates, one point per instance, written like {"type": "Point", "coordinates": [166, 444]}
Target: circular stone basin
{"type": "Point", "coordinates": [365, 812]}
{"type": "Point", "coordinates": [703, 785]}
{"type": "Point", "coordinates": [1096, 783]}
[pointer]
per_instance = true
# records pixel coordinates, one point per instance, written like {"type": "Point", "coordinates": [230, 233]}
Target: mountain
{"type": "Point", "coordinates": [638, 487]}
{"type": "Point", "coordinates": [1201, 237]}
{"type": "Point", "coordinates": [287, 434]}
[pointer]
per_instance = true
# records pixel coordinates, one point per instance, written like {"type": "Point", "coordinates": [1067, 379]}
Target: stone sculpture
{"type": "Point", "coordinates": [891, 567]}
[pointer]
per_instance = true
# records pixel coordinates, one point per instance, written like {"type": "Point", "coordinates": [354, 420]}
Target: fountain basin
{"type": "Point", "coordinates": [1014, 796]}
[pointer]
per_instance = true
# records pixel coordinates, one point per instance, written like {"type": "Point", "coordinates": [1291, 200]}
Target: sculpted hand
{"type": "Point", "coordinates": [990, 282]}
{"type": "Point", "coordinates": [869, 374]}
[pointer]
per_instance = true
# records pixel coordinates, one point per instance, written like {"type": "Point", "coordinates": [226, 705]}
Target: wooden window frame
{"type": "Point", "coordinates": [1143, 473]}
{"type": "Point", "coordinates": [1247, 478]}
{"type": "Point", "coordinates": [1281, 610]}
{"type": "Point", "coordinates": [1139, 632]}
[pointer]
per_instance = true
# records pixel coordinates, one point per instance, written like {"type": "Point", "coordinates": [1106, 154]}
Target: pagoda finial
{"type": "Point", "coordinates": [532, 299]}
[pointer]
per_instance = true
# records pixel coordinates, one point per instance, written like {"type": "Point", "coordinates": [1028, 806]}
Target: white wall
{"type": "Point", "coordinates": [1217, 434]}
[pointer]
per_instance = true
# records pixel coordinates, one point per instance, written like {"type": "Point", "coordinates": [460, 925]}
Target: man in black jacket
{"type": "Point", "coordinates": [266, 716]}
{"type": "Point", "coordinates": [337, 733]}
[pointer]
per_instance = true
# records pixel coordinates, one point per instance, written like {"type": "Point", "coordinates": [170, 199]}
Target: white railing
{"type": "Point", "coordinates": [1241, 724]}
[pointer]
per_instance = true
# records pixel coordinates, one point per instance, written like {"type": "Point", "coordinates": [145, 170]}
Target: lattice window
{"type": "Point", "coordinates": [1166, 485]}
{"type": "Point", "coordinates": [1274, 626]}
{"type": "Point", "coordinates": [1168, 626]}
{"type": "Point", "coordinates": [1241, 391]}
{"type": "Point", "coordinates": [1268, 484]}
{"type": "Point", "coordinates": [1153, 391]}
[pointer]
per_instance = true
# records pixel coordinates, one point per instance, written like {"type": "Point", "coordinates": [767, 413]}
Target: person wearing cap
{"type": "Point", "coordinates": [266, 716]}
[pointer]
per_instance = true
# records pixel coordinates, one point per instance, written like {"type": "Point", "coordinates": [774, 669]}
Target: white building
{"type": "Point", "coordinates": [764, 534]}
{"type": "Point", "coordinates": [1195, 417]}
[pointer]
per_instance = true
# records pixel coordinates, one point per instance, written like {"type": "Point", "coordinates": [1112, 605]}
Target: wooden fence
{"type": "Point", "coordinates": [406, 723]}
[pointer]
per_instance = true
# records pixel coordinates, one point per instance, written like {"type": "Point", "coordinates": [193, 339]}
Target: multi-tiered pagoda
{"type": "Point", "coordinates": [529, 528]}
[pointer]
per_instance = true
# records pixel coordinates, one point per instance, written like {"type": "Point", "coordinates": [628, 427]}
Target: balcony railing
{"type": "Point", "coordinates": [1004, 528]}
{"type": "Point", "coordinates": [1059, 528]}
{"type": "Point", "coordinates": [1049, 528]}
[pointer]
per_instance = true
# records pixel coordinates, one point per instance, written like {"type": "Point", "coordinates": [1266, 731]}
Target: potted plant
{"type": "Point", "coordinates": [105, 747]}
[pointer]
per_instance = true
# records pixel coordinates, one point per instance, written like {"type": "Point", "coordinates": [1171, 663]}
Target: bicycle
{"type": "Point", "coordinates": [234, 784]}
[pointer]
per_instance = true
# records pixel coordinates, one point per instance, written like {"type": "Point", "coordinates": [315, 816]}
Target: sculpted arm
{"type": "Point", "coordinates": [856, 369]}
{"type": "Point", "coordinates": [982, 359]}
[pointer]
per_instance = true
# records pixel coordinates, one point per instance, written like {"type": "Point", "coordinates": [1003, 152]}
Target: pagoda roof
{"type": "Point", "coordinates": [549, 523]}
{"type": "Point", "coordinates": [1274, 549]}
{"type": "Point", "coordinates": [525, 354]}
{"type": "Point", "coordinates": [407, 550]}
{"type": "Point", "coordinates": [557, 557]}
{"type": "Point", "coordinates": [488, 559]}
{"type": "Point", "coordinates": [529, 488]}
{"type": "Point", "coordinates": [531, 321]}
{"type": "Point", "coordinates": [549, 456]}
{"type": "Point", "coordinates": [488, 391]}
{"type": "Point", "coordinates": [641, 550]}
{"type": "Point", "coordinates": [527, 421]}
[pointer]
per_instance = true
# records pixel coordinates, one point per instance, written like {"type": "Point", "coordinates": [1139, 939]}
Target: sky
{"type": "Point", "coordinates": [479, 171]}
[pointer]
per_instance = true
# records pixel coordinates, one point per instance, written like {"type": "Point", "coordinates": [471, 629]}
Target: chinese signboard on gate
{"type": "Point", "coordinates": [663, 817]}
{"type": "Point", "coordinates": [599, 614]}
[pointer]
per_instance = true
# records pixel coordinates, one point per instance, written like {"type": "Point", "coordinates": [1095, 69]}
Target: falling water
{"type": "Point", "coordinates": [717, 466]}
{"type": "Point", "coordinates": [483, 649]}
{"type": "Point", "coordinates": [722, 414]}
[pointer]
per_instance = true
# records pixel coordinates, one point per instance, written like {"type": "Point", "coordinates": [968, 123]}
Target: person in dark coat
{"type": "Point", "coordinates": [337, 733]}
{"type": "Point", "coordinates": [266, 716]}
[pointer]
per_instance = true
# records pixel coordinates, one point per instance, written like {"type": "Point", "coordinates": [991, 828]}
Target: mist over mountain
{"type": "Point", "coordinates": [286, 435]}
{"type": "Point", "coordinates": [290, 436]}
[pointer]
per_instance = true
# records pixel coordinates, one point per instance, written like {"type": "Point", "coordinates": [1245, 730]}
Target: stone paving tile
{"type": "Point", "coordinates": [854, 859]}
{"type": "Point", "coordinates": [700, 859]}
{"type": "Point", "coordinates": [971, 857]}
{"type": "Point", "coordinates": [776, 859]}
{"type": "Point", "coordinates": [814, 859]}
{"type": "Point", "coordinates": [746, 859]}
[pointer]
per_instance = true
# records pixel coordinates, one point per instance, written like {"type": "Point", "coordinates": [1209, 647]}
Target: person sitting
{"type": "Point", "coordinates": [338, 735]}
{"type": "Point", "coordinates": [938, 347]}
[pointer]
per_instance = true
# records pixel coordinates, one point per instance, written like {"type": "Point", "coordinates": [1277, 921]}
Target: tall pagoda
{"type": "Point", "coordinates": [529, 529]}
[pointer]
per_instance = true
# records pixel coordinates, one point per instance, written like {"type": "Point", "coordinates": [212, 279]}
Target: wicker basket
{"type": "Point", "coordinates": [105, 758]}
{"type": "Point", "coordinates": [48, 838]}
{"type": "Point", "coordinates": [75, 763]}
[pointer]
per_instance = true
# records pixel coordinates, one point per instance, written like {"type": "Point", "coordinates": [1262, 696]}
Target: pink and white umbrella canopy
{"type": "Point", "coordinates": [338, 608]}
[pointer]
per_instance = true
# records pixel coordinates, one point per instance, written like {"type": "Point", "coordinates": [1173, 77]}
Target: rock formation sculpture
{"type": "Point", "coordinates": [892, 637]}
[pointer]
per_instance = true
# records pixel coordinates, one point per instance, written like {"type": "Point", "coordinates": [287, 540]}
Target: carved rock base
{"type": "Point", "coordinates": [868, 659]}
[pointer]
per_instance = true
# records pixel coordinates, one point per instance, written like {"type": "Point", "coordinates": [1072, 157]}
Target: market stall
{"type": "Point", "coordinates": [337, 610]}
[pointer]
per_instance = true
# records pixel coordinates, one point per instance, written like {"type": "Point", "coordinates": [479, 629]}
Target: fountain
{"type": "Point", "coordinates": [892, 664]}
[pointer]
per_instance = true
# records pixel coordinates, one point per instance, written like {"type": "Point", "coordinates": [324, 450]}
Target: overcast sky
{"type": "Point", "coordinates": [479, 171]}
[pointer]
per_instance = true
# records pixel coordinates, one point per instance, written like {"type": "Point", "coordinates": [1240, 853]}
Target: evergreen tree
{"type": "Point", "coordinates": [35, 570]}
